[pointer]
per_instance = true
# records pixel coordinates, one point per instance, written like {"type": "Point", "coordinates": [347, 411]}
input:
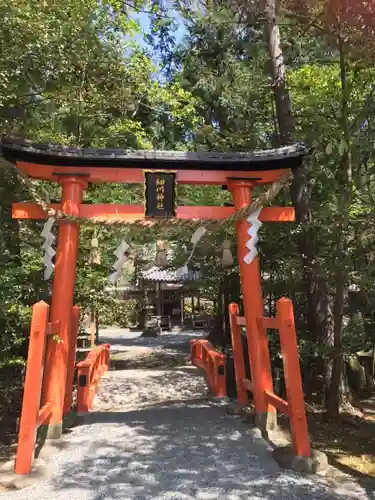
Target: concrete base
{"type": "Point", "coordinates": [52, 432]}
{"type": "Point", "coordinates": [266, 421]}
{"type": "Point", "coordinates": [70, 420]}
{"type": "Point", "coordinates": [55, 431]}
{"type": "Point", "coordinates": [316, 463]}
{"type": "Point", "coordinates": [235, 409]}
{"type": "Point", "coordinates": [219, 400]}
{"type": "Point", "coordinates": [248, 415]}
{"type": "Point", "coordinates": [41, 471]}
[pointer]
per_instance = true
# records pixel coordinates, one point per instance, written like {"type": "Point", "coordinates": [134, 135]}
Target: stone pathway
{"type": "Point", "coordinates": [155, 436]}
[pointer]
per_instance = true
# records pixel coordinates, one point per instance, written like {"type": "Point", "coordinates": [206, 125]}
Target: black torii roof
{"type": "Point", "coordinates": [15, 149]}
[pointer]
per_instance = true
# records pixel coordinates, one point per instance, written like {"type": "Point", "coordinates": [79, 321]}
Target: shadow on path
{"type": "Point", "coordinates": [189, 452]}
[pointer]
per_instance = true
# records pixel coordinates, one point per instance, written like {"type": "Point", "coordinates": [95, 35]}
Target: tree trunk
{"type": "Point", "coordinates": [318, 307]}
{"type": "Point", "coordinates": [217, 334]}
{"type": "Point", "coordinates": [284, 113]}
{"type": "Point", "coordinates": [334, 396]}
{"type": "Point", "coordinates": [97, 326]}
{"type": "Point", "coordinates": [338, 394]}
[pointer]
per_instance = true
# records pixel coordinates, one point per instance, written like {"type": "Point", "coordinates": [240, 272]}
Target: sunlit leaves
{"type": "Point", "coordinates": [351, 20]}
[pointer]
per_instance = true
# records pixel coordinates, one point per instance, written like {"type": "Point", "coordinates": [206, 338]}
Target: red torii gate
{"type": "Point", "coordinates": [75, 168]}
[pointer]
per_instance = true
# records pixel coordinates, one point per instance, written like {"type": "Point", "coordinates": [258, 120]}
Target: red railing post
{"type": "Point", "coordinates": [221, 379]}
{"type": "Point", "coordinates": [204, 356]}
{"type": "Point", "coordinates": [210, 371]}
{"type": "Point", "coordinates": [238, 357]}
{"type": "Point", "coordinates": [83, 388]}
{"type": "Point", "coordinates": [68, 399]}
{"type": "Point", "coordinates": [293, 380]}
{"type": "Point", "coordinates": [106, 357]}
{"type": "Point", "coordinates": [89, 372]}
{"type": "Point", "coordinates": [32, 388]}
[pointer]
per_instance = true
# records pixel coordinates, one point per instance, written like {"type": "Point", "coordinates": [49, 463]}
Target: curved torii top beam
{"type": "Point", "coordinates": [49, 161]}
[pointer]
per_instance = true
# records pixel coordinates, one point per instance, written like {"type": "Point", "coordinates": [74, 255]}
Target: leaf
{"type": "Point", "coordinates": [329, 148]}
{"type": "Point", "coordinates": [343, 147]}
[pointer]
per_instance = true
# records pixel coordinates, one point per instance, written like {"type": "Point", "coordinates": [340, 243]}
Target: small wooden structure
{"type": "Point", "coordinates": [167, 292]}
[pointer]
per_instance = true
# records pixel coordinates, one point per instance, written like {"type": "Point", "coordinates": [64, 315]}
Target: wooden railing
{"type": "Point", "coordinates": [32, 416]}
{"type": "Point", "coordinates": [203, 355]}
{"type": "Point", "coordinates": [89, 373]}
{"type": "Point", "coordinates": [295, 406]}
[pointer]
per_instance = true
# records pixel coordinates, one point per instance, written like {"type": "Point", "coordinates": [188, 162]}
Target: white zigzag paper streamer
{"type": "Point", "coordinates": [197, 236]}
{"type": "Point", "coordinates": [121, 259]}
{"type": "Point", "coordinates": [255, 224]}
{"type": "Point", "coordinates": [49, 252]}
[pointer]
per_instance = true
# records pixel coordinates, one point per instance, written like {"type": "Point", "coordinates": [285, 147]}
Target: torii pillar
{"type": "Point", "coordinates": [257, 342]}
{"type": "Point", "coordinates": [57, 354]}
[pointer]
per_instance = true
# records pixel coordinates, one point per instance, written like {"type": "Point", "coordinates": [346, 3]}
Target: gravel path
{"type": "Point", "coordinates": [122, 339]}
{"type": "Point", "coordinates": [172, 445]}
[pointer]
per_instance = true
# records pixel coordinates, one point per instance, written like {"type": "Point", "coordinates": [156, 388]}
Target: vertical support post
{"type": "Point", "coordinates": [68, 400]}
{"type": "Point", "coordinates": [192, 309]}
{"type": "Point", "coordinates": [239, 363]}
{"type": "Point", "coordinates": [293, 380]}
{"type": "Point", "coordinates": [62, 303]}
{"type": "Point", "coordinates": [158, 299]}
{"type": "Point", "coordinates": [96, 326]}
{"type": "Point", "coordinates": [92, 327]}
{"type": "Point", "coordinates": [32, 389]}
{"type": "Point", "coordinates": [182, 308]}
{"type": "Point", "coordinates": [253, 306]}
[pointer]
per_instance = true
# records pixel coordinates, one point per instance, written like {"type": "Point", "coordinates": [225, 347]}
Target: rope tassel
{"type": "Point", "coordinates": [161, 259]}
{"type": "Point", "coordinates": [95, 252]}
{"type": "Point", "coordinates": [227, 259]}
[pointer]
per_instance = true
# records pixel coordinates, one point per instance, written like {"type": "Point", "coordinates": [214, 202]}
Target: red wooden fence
{"type": "Point", "coordinates": [89, 372]}
{"type": "Point", "coordinates": [295, 406]}
{"type": "Point", "coordinates": [32, 415]}
{"type": "Point", "coordinates": [204, 356]}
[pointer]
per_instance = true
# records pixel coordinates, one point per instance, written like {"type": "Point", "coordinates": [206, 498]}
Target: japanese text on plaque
{"type": "Point", "coordinates": [160, 193]}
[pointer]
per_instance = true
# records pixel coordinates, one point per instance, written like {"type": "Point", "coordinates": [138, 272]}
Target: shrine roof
{"type": "Point", "coordinates": [15, 149]}
{"type": "Point", "coordinates": [169, 275]}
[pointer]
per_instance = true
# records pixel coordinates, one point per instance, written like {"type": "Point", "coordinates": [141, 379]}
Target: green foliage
{"type": "Point", "coordinates": [224, 67]}
{"type": "Point", "coordinates": [119, 312]}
